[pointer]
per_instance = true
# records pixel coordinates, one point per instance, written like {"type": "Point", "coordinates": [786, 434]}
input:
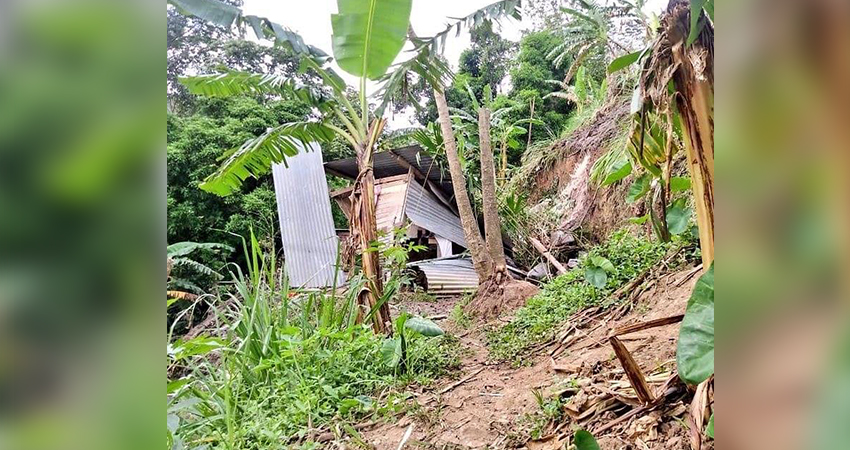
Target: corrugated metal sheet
{"type": "Point", "coordinates": [389, 207]}
{"type": "Point", "coordinates": [310, 243]}
{"type": "Point", "coordinates": [448, 276]}
{"type": "Point", "coordinates": [426, 211]}
{"type": "Point", "coordinates": [386, 164]}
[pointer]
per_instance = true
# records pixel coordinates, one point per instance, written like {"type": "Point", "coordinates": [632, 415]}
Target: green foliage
{"type": "Point", "coordinates": [536, 322]}
{"type": "Point", "coordinates": [680, 184]}
{"type": "Point", "coordinates": [189, 275]}
{"type": "Point", "coordinates": [678, 216]}
{"type": "Point", "coordinates": [695, 351]}
{"type": "Point", "coordinates": [195, 144]}
{"type": "Point", "coordinates": [368, 34]}
{"type": "Point", "coordinates": [395, 351]}
{"type": "Point", "coordinates": [638, 189]}
{"type": "Point", "coordinates": [583, 440]}
{"type": "Point", "coordinates": [286, 360]}
{"type": "Point", "coordinates": [596, 269]}
{"type": "Point", "coordinates": [459, 315]}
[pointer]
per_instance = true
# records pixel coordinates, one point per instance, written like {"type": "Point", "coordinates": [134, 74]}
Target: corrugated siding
{"type": "Point", "coordinates": [389, 207]}
{"type": "Point", "coordinates": [310, 243]}
{"type": "Point", "coordinates": [449, 276]}
{"type": "Point", "coordinates": [426, 211]}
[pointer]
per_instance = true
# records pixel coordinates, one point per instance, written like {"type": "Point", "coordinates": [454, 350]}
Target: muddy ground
{"type": "Point", "coordinates": [494, 404]}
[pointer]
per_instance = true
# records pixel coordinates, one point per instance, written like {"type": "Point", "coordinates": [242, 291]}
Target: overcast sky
{"type": "Point", "coordinates": [312, 20]}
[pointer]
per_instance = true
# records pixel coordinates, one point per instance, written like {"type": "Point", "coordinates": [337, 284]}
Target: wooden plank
{"type": "Point", "coordinates": [633, 372]}
{"type": "Point", "coordinates": [542, 249]}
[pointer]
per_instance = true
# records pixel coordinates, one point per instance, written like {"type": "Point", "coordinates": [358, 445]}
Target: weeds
{"type": "Point", "coordinates": [459, 315]}
{"type": "Point", "coordinates": [566, 294]}
{"type": "Point", "coordinates": [286, 363]}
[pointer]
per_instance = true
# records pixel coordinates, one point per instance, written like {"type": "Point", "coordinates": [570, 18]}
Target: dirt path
{"type": "Point", "coordinates": [482, 410]}
{"type": "Point", "coordinates": [491, 406]}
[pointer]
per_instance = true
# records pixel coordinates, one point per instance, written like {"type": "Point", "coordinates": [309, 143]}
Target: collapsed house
{"type": "Point", "coordinates": [411, 192]}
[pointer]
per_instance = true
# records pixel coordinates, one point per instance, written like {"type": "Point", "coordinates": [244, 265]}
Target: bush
{"type": "Point", "coordinates": [568, 293]}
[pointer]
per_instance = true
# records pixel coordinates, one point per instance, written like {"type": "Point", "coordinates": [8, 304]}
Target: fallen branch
{"type": "Point", "coordinates": [635, 327]}
{"type": "Point", "coordinates": [632, 370]}
{"type": "Point", "coordinates": [543, 251]}
{"type": "Point", "coordinates": [459, 382]}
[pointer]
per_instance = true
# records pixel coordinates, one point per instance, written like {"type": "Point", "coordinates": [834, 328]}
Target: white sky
{"type": "Point", "coordinates": [312, 20]}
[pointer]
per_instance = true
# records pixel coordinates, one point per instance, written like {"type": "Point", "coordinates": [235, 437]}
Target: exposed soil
{"type": "Point", "coordinates": [494, 299]}
{"type": "Point", "coordinates": [490, 405]}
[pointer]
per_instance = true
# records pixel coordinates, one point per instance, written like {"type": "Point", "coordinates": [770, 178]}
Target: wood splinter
{"type": "Point", "coordinates": [633, 372]}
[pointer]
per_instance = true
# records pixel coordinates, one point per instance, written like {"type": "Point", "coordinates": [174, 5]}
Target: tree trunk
{"type": "Point", "coordinates": [480, 256]}
{"type": "Point", "coordinates": [492, 224]}
{"type": "Point", "coordinates": [365, 226]}
{"type": "Point", "coordinates": [694, 82]}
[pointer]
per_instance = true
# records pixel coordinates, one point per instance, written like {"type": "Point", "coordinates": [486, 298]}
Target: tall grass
{"type": "Point", "coordinates": [283, 363]}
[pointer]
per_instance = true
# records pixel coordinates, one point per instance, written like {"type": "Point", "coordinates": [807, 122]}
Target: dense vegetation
{"type": "Point", "coordinates": [566, 294]}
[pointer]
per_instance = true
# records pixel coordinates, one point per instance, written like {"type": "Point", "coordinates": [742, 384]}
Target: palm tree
{"type": "Point", "coordinates": [588, 32]}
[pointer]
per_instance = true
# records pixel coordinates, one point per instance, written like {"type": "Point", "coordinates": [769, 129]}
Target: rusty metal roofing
{"type": "Point", "coordinates": [310, 243]}
{"type": "Point", "coordinates": [397, 162]}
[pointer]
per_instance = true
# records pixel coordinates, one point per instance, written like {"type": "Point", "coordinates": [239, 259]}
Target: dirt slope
{"type": "Point", "coordinates": [490, 407]}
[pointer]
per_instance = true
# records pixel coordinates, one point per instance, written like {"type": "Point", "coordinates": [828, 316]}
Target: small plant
{"type": "Point", "coordinates": [596, 269]}
{"type": "Point", "coordinates": [395, 350]}
{"type": "Point", "coordinates": [459, 315]}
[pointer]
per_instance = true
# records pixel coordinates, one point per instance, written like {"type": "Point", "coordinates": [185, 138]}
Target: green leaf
{"type": "Point", "coordinates": [709, 431]}
{"type": "Point", "coordinates": [596, 276]}
{"type": "Point", "coordinates": [639, 220]}
{"type": "Point", "coordinates": [677, 217]}
{"type": "Point", "coordinates": [256, 156]}
{"type": "Point", "coordinates": [172, 386]}
{"type": "Point", "coordinates": [213, 11]}
{"type": "Point", "coordinates": [602, 263]}
{"type": "Point", "coordinates": [391, 352]}
{"type": "Point", "coordinates": [638, 189]}
{"type": "Point", "coordinates": [583, 440]}
{"type": "Point", "coordinates": [680, 184]}
{"type": "Point", "coordinates": [696, 10]}
{"type": "Point", "coordinates": [695, 351]}
{"type": "Point", "coordinates": [619, 170]}
{"type": "Point", "coordinates": [423, 326]}
{"type": "Point", "coordinates": [709, 9]}
{"type": "Point", "coordinates": [624, 61]}
{"type": "Point", "coordinates": [198, 346]}
{"type": "Point", "coordinates": [369, 34]}
{"type": "Point", "coordinates": [185, 248]}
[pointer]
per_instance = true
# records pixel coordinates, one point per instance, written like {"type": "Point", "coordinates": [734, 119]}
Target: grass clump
{"type": "Point", "coordinates": [568, 293]}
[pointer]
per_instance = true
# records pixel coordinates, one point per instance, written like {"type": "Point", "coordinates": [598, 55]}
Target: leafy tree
{"type": "Point", "coordinates": [195, 145]}
{"type": "Point", "coordinates": [485, 63]}
{"type": "Point", "coordinates": [189, 41]}
{"type": "Point", "coordinates": [529, 84]}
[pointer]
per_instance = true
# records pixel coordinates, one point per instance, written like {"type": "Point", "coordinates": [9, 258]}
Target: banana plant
{"type": "Point", "coordinates": [367, 37]}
